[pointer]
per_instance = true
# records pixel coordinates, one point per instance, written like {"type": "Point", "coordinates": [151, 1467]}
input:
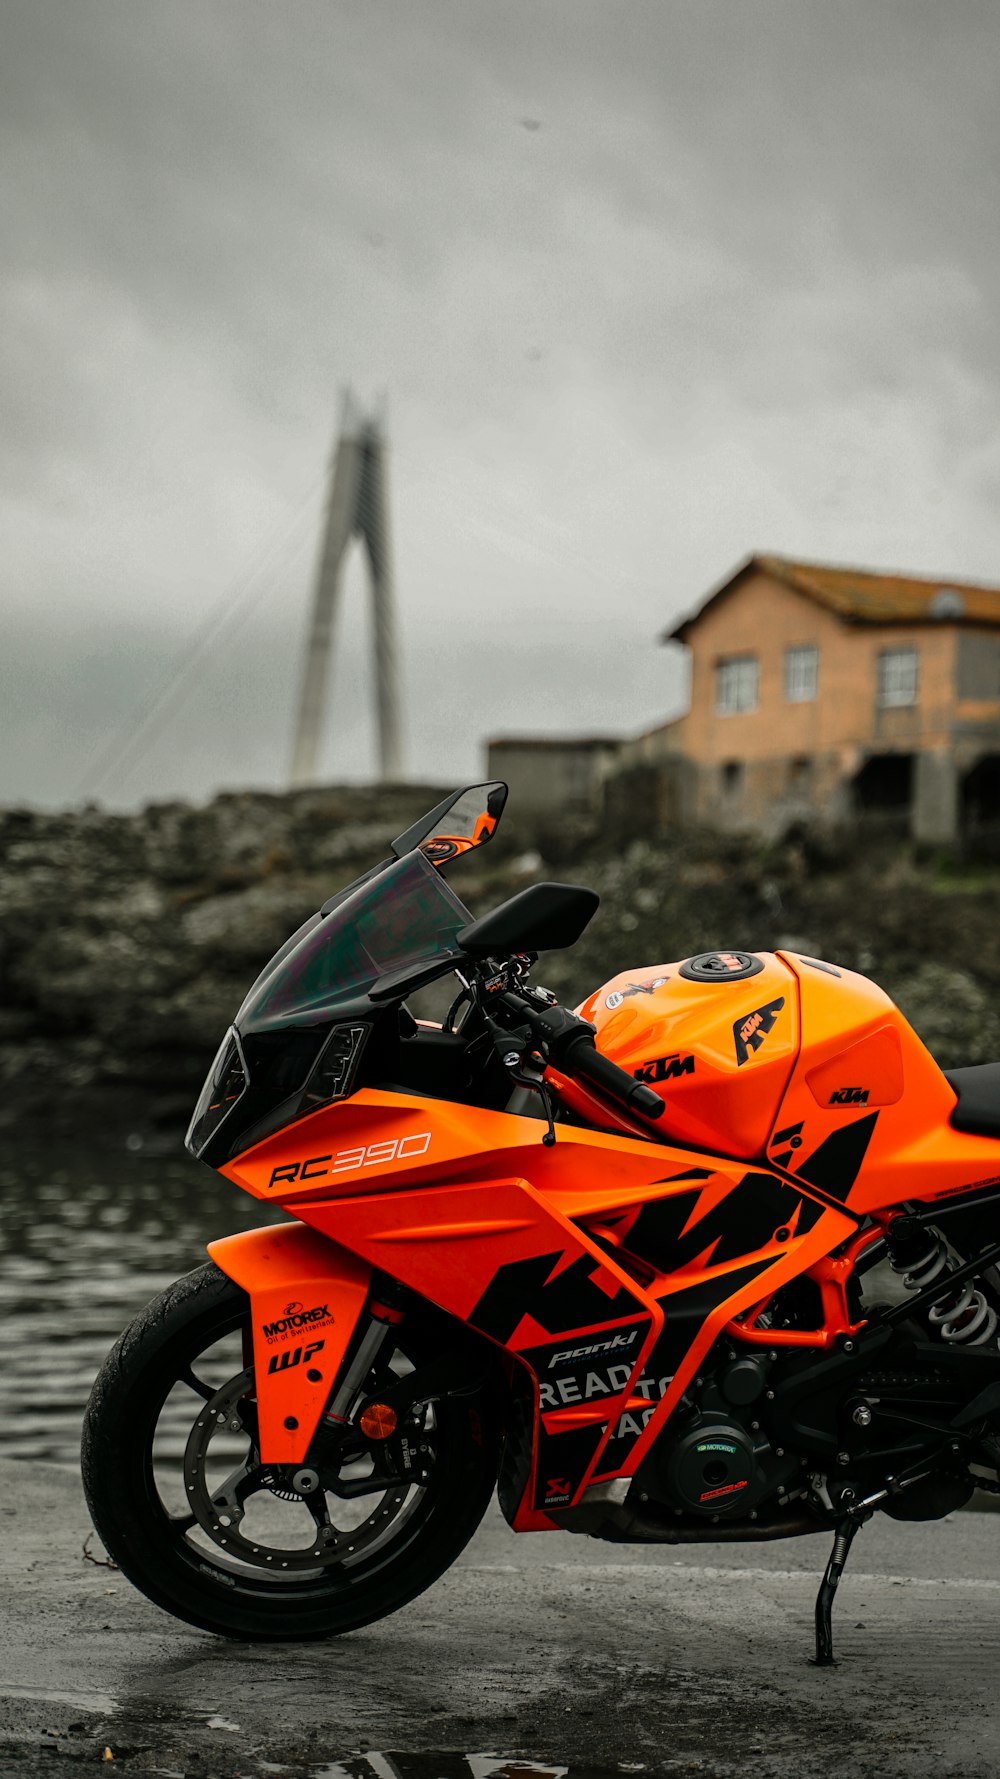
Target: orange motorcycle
{"type": "Point", "coordinates": [618, 1262]}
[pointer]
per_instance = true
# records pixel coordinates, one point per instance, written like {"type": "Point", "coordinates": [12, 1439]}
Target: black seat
{"type": "Point", "coordinates": [978, 1089]}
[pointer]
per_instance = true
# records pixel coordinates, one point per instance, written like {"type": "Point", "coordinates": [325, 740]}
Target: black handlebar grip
{"type": "Point", "coordinates": [643, 1099]}
{"type": "Point", "coordinates": [584, 1060]}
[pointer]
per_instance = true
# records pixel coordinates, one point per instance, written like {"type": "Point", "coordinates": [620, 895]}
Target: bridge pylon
{"type": "Point", "coordinates": [357, 506]}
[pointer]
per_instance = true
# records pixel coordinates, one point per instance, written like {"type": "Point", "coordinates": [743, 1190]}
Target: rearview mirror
{"type": "Point", "coordinates": [468, 818]}
{"type": "Point", "coordinates": [543, 917]}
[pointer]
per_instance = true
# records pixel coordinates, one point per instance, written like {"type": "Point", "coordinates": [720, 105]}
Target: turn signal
{"type": "Point", "coordinates": [377, 1421]}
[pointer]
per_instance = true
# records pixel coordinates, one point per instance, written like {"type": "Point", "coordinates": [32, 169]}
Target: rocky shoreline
{"type": "Point", "coordinates": [128, 941]}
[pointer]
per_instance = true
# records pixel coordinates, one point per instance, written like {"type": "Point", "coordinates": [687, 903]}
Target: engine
{"type": "Point", "coordinates": [715, 1467]}
{"type": "Point", "coordinates": [715, 1460]}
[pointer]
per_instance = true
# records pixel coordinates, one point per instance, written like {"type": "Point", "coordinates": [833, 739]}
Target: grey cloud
{"type": "Point", "coordinates": [737, 289]}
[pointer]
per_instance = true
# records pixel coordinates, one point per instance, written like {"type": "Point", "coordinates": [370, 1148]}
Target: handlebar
{"type": "Point", "coordinates": [568, 1042]}
{"type": "Point", "coordinates": [584, 1060]}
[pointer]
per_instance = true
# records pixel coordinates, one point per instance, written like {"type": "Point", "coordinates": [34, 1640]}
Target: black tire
{"type": "Point", "coordinates": [195, 1581]}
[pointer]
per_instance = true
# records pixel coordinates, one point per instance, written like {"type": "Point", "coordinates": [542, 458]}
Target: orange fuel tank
{"type": "Point", "coordinates": [866, 1115]}
{"type": "Point", "coordinates": [716, 1036]}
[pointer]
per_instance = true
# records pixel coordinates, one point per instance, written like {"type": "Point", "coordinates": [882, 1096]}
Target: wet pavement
{"type": "Point", "coordinates": [545, 1652]}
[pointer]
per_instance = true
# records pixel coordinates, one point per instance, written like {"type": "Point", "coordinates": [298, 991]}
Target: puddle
{"type": "Point", "coordinates": [453, 1765]}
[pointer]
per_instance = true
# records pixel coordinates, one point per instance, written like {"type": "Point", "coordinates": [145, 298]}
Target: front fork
{"type": "Point", "coordinates": [316, 1332]}
{"type": "Point", "coordinates": [369, 1348]}
{"type": "Point", "coordinates": [307, 1297]}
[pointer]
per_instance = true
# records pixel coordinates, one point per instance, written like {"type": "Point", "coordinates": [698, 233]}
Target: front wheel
{"type": "Point", "coordinates": [179, 1495]}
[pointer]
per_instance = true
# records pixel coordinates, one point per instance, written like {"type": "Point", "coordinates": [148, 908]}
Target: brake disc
{"type": "Point", "coordinates": [220, 1511]}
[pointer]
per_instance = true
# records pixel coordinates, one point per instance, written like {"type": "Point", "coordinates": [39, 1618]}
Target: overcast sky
{"type": "Point", "coordinates": [646, 286]}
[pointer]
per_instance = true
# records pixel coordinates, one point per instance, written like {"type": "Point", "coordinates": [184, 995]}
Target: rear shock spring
{"type": "Point", "coordinates": [920, 1257]}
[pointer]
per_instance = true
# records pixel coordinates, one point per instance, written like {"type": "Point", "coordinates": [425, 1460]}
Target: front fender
{"type": "Point", "coordinates": [306, 1293]}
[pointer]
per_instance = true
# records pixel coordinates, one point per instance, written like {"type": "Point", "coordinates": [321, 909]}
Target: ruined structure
{"type": "Point", "coordinates": [827, 696]}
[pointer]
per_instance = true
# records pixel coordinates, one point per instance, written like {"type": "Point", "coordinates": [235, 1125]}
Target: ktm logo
{"type": "Point", "coordinates": [749, 1032]}
{"type": "Point", "coordinates": [560, 1298]}
{"type": "Point", "coordinates": [849, 1096]}
{"type": "Point", "coordinates": [293, 1356]}
{"type": "Point", "coordinates": [665, 1068]}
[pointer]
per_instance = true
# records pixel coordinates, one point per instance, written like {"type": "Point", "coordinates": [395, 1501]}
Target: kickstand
{"type": "Point", "coordinates": [845, 1534]}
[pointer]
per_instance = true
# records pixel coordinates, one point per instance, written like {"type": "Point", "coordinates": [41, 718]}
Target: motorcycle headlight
{"type": "Point", "coordinates": [225, 1085]}
{"type": "Point", "coordinates": [332, 1075]}
{"type": "Point", "coordinates": [273, 1079]}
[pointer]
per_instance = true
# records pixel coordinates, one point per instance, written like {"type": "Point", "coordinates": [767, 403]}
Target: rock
{"type": "Point", "coordinates": [127, 942]}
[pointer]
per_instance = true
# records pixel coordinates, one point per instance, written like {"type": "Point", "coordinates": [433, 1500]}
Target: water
{"type": "Point", "coordinates": [425, 1764]}
{"type": "Point", "coordinates": [84, 1243]}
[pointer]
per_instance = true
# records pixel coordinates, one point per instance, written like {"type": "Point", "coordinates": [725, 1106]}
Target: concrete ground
{"type": "Point", "coordinates": [549, 1652]}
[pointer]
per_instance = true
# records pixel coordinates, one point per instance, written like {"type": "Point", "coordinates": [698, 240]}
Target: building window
{"type": "Point", "coordinates": [732, 778]}
{"type": "Point", "coordinates": [897, 677]}
{"type": "Point", "coordinates": [801, 674]}
{"type": "Point", "coordinates": [736, 685]}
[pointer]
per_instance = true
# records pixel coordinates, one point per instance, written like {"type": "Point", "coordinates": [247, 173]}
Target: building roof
{"type": "Point", "coordinates": [862, 596]}
{"type": "Point", "coordinates": [537, 741]}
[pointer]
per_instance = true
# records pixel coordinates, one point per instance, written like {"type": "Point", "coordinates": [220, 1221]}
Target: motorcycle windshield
{"type": "Point", "coordinates": [407, 915]}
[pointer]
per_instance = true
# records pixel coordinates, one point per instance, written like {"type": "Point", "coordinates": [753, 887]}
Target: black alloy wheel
{"type": "Point", "coordinates": [184, 1506]}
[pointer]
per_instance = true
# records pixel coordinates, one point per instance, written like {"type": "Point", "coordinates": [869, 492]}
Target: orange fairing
{"type": "Point", "coordinates": [306, 1294]}
{"type": "Point", "coordinates": [517, 1266]}
{"type": "Point", "coordinates": [636, 1249]}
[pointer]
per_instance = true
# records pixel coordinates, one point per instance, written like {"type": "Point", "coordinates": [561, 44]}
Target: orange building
{"type": "Point", "coordinates": [837, 693]}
